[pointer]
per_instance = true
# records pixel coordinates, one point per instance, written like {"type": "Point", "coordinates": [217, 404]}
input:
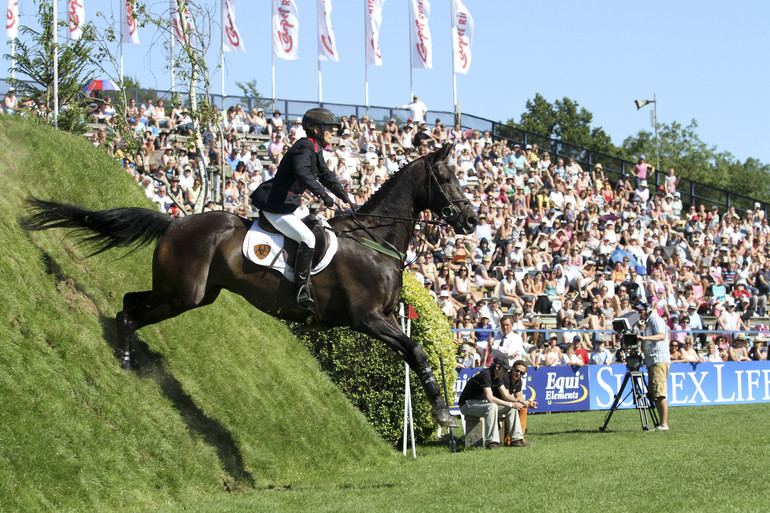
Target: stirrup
{"type": "Point", "coordinates": [304, 297]}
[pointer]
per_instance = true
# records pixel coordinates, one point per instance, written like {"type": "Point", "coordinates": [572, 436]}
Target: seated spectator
{"type": "Point", "coordinates": [572, 358]}
{"type": "Point", "coordinates": [758, 351]}
{"type": "Point", "coordinates": [689, 354]}
{"type": "Point", "coordinates": [712, 353]}
{"type": "Point", "coordinates": [551, 354]}
{"type": "Point", "coordinates": [600, 355]}
{"type": "Point", "coordinates": [676, 354]}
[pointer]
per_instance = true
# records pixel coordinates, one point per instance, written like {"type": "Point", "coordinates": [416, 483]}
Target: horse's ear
{"type": "Point", "coordinates": [443, 152]}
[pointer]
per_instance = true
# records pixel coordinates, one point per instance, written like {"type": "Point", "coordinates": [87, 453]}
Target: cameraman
{"type": "Point", "coordinates": [657, 359]}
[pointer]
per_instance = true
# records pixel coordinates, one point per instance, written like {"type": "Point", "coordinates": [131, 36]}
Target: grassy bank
{"type": "Point", "coordinates": [224, 398]}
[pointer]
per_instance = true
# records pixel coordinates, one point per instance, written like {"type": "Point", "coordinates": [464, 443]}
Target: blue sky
{"type": "Point", "coordinates": [704, 60]}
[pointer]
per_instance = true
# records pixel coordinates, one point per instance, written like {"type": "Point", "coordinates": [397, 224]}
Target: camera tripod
{"type": "Point", "coordinates": [642, 401]}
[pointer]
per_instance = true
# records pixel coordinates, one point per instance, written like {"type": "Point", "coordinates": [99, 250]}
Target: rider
{"type": "Point", "coordinates": [302, 168]}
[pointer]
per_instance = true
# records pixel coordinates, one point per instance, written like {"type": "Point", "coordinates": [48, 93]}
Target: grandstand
{"type": "Point", "coordinates": [576, 205]}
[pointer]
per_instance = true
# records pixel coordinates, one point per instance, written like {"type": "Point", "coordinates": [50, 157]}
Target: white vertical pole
{"type": "Point", "coordinates": [454, 71]}
{"type": "Point", "coordinates": [55, 65]}
{"type": "Point", "coordinates": [171, 46]}
{"type": "Point", "coordinates": [411, 72]}
{"type": "Point", "coordinates": [318, 43]}
{"type": "Point", "coordinates": [121, 46]}
{"type": "Point", "coordinates": [272, 61]}
{"type": "Point", "coordinates": [222, 50]}
{"type": "Point", "coordinates": [408, 415]}
{"type": "Point", "coordinates": [366, 66]}
{"type": "Point", "coordinates": [409, 392]}
{"type": "Point", "coordinates": [655, 115]}
{"type": "Point", "coordinates": [13, 59]}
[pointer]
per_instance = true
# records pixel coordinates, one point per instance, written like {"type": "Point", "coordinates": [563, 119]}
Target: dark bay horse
{"type": "Point", "coordinates": [199, 255]}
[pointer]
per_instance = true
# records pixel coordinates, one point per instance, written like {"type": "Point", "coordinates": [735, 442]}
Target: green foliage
{"type": "Point", "coordinates": [682, 148]}
{"type": "Point", "coordinates": [249, 90]}
{"type": "Point", "coordinates": [372, 376]}
{"type": "Point", "coordinates": [566, 121]}
{"type": "Point", "coordinates": [35, 63]}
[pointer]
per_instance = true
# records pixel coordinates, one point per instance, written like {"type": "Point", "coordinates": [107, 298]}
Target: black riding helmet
{"type": "Point", "coordinates": [321, 118]}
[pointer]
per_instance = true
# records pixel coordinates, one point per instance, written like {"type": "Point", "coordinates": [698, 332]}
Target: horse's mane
{"type": "Point", "coordinates": [388, 185]}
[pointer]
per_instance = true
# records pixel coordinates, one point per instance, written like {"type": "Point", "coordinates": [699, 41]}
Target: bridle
{"type": "Point", "coordinates": [451, 209]}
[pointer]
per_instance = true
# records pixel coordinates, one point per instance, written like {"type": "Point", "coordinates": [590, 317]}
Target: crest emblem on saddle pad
{"type": "Point", "coordinates": [262, 251]}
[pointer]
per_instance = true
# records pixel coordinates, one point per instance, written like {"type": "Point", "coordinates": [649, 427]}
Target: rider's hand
{"type": "Point", "coordinates": [328, 201]}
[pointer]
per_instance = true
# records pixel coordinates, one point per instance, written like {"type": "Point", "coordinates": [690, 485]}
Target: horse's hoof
{"type": "Point", "coordinates": [444, 418]}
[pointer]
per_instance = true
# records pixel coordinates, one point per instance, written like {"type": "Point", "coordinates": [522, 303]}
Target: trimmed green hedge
{"type": "Point", "coordinates": [371, 375]}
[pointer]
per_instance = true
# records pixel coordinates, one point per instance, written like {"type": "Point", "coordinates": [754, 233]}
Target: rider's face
{"type": "Point", "coordinates": [328, 134]}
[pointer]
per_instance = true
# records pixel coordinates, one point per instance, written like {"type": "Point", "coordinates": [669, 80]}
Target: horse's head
{"type": "Point", "coordinates": [445, 195]}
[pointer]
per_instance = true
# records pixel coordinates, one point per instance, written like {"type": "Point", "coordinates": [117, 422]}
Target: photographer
{"type": "Point", "coordinates": [657, 359]}
{"type": "Point", "coordinates": [512, 391]}
{"type": "Point", "coordinates": [480, 398]}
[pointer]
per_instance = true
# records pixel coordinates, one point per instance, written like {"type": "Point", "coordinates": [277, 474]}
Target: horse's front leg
{"type": "Point", "coordinates": [387, 330]}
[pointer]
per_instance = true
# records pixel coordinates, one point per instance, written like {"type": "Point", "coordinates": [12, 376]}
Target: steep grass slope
{"type": "Point", "coordinates": [224, 397]}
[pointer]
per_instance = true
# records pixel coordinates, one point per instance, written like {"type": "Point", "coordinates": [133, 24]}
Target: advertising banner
{"type": "Point", "coordinates": [593, 387]}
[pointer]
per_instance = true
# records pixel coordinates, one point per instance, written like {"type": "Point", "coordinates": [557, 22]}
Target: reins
{"type": "Point", "coordinates": [446, 212]}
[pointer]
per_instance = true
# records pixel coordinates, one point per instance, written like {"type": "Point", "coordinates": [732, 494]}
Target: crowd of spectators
{"type": "Point", "coordinates": [552, 239]}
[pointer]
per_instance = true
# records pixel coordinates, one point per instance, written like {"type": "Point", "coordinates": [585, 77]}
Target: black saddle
{"type": "Point", "coordinates": [290, 245]}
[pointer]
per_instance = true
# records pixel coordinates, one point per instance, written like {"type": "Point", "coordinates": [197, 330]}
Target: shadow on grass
{"type": "Point", "coordinates": [149, 364]}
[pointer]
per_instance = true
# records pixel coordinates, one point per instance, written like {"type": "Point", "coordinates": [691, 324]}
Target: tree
{"type": "Point", "coordinates": [693, 159]}
{"type": "Point", "coordinates": [565, 121]}
{"type": "Point", "coordinates": [250, 91]}
{"type": "Point", "coordinates": [77, 62]}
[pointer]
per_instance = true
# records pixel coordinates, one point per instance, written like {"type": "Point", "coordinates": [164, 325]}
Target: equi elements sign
{"type": "Point", "coordinates": [594, 387]}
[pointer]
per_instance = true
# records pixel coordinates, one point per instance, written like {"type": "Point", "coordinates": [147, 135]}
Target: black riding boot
{"type": "Point", "coordinates": [302, 274]}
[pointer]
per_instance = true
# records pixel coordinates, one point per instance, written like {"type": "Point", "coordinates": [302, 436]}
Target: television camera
{"type": "Point", "coordinates": [632, 355]}
{"type": "Point", "coordinates": [630, 352]}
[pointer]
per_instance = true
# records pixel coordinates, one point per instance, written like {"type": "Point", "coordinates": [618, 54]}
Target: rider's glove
{"type": "Point", "coordinates": [328, 201]}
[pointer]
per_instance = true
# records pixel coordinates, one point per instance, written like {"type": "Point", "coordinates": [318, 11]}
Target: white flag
{"type": "Point", "coordinates": [77, 14]}
{"type": "Point", "coordinates": [176, 24]}
{"type": "Point", "coordinates": [285, 30]}
{"type": "Point", "coordinates": [373, 21]}
{"type": "Point", "coordinates": [462, 36]}
{"type": "Point", "coordinates": [12, 19]}
{"type": "Point", "coordinates": [422, 47]}
{"type": "Point", "coordinates": [128, 28]}
{"type": "Point", "coordinates": [327, 46]}
{"type": "Point", "coordinates": [233, 41]}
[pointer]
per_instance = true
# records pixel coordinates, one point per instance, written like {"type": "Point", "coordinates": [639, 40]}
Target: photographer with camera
{"type": "Point", "coordinates": [481, 398]}
{"type": "Point", "coordinates": [657, 358]}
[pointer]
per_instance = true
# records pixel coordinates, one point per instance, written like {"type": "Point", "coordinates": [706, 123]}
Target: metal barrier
{"type": "Point", "coordinates": [692, 192]}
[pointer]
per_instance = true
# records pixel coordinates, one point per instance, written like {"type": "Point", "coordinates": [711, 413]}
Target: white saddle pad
{"type": "Point", "coordinates": [266, 249]}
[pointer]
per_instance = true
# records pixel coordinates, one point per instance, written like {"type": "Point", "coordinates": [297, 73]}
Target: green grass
{"type": "Point", "coordinates": [712, 459]}
{"type": "Point", "coordinates": [226, 399]}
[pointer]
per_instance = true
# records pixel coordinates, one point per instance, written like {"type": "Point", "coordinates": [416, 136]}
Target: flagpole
{"type": "Point", "coordinates": [411, 71]}
{"type": "Point", "coordinates": [13, 59]}
{"type": "Point", "coordinates": [453, 32]}
{"type": "Point", "coordinates": [55, 65]}
{"type": "Point", "coordinates": [366, 66]}
{"type": "Point", "coordinates": [318, 43]}
{"type": "Point", "coordinates": [173, 29]}
{"type": "Point", "coordinates": [272, 60]}
{"type": "Point", "coordinates": [121, 47]}
{"type": "Point", "coordinates": [222, 49]}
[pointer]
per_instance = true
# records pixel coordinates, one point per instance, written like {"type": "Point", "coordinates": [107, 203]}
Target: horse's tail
{"type": "Point", "coordinates": [99, 229]}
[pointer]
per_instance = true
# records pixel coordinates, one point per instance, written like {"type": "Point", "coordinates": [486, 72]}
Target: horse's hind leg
{"type": "Point", "coordinates": [144, 308]}
{"type": "Point", "coordinates": [123, 318]}
{"type": "Point", "coordinates": [388, 331]}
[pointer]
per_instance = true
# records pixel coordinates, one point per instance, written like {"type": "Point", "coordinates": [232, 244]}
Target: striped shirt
{"type": "Point", "coordinates": [657, 351]}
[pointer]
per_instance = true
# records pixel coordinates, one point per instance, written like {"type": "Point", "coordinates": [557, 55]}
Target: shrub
{"type": "Point", "coordinates": [371, 375]}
